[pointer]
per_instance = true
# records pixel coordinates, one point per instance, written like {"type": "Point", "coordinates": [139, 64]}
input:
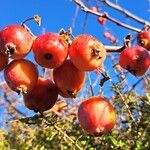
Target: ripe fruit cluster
{"type": "Point", "coordinates": [69, 61]}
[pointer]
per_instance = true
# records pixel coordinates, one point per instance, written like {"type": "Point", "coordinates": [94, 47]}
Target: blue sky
{"type": "Point", "coordinates": [57, 14]}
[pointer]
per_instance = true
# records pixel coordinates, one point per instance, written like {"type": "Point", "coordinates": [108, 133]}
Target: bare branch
{"type": "Point", "coordinates": [90, 83]}
{"type": "Point", "coordinates": [126, 12]}
{"type": "Point", "coordinates": [114, 48]}
{"type": "Point", "coordinates": [105, 15]}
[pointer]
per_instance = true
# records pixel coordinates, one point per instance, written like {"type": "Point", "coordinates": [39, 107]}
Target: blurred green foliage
{"type": "Point", "coordinates": [52, 132]}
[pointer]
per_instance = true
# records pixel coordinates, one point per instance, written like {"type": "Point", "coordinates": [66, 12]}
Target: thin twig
{"type": "Point", "coordinates": [145, 130]}
{"type": "Point", "coordinates": [127, 106]}
{"type": "Point", "coordinates": [85, 23]}
{"type": "Point", "coordinates": [134, 86]}
{"type": "Point", "coordinates": [75, 16]}
{"type": "Point", "coordinates": [90, 83]}
{"type": "Point", "coordinates": [105, 15]}
{"type": "Point", "coordinates": [125, 12]}
{"type": "Point", "coordinates": [114, 48]}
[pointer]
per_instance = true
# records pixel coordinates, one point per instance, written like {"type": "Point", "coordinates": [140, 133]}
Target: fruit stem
{"type": "Point", "coordinates": [37, 20]}
{"type": "Point", "coordinates": [35, 17]}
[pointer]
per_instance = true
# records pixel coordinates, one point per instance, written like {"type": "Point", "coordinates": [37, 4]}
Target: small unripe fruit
{"type": "Point", "coordinates": [86, 52]}
{"type": "Point", "coordinates": [101, 20]}
{"type": "Point", "coordinates": [50, 50]}
{"type": "Point", "coordinates": [96, 115]}
{"type": "Point", "coordinates": [68, 79]}
{"type": "Point", "coordinates": [135, 59]}
{"type": "Point", "coordinates": [3, 61]}
{"type": "Point", "coordinates": [15, 41]}
{"type": "Point", "coordinates": [42, 97]}
{"type": "Point", "coordinates": [21, 75]}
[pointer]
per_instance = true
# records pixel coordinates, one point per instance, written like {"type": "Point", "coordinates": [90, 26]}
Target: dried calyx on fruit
{"type": "Point", "coordinates": [16, 40]}
{"type": "Point", "coordinates": [51, 49]}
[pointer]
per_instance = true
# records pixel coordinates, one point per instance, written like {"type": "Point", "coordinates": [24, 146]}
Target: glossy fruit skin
{"type": "Point", "coordinates": [68, 79]}
{"type": "Point", "coordinates": [144, 39]}
{"type": "Point", "coordinates": [50, 50]}
{"type": "Point", "coordinates": [43, 97]}
{"type": "Point", "coordinates": [86, 52]}
{"type": "Point", "coordinates": [135, 59]}
{"type": "Point", "coordinates": [17, 39]}
{"type": "Point", "coordinates": [96, 115]}
{"type": "Point", "coordinates": [3, 61]}
{"type": "Point", "coordinates": [21, 75]}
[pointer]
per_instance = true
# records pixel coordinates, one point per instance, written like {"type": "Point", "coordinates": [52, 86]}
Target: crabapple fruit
{"type": "Point", "coordinates": [68, 79]}
{"type": "Point", "coordinates": [50, 50]}
{"type": "Point", "coordinates": [15, 41]}
{"type": "Point", "coordinates": [43, 96]}
{"type": "Point", "coordinates": [135, 59]}
{"type": "Point", "coordinates": [96, 115]}
{"type": "Point", "coordinates": [144, 39]}
{"type": "Point", "coordinates": [86, 52]}
{"type": "Point", "coordinates": [21, 75]}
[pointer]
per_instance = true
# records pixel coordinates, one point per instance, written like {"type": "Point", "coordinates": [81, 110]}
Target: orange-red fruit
{"type": "Point", "coordinates": [86, 52]}
{"type": "Point", "coordinates": [144, 39]}
{"type": "Point", "coordinates": [96, 115]}
{"type": "Point", "coordinates": [68, 79]}
{"type": "Point", "coordinates": [50, 50]}
{"type": "Point", "coordinates": [15, 41]}
{"type": "Point", "coordinates": [21, 75]}
{"type": "Point", "coordinates": [101, 20]}
{"type": "Point", "coordinates": [3, 61]}
{"type": "Point", "coordinates": [135, 59]}
{"type": "Point", "coordinates": [43, 96]}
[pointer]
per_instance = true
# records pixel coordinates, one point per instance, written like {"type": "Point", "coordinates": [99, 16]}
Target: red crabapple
{"type": "Point", "coordinates": [96, 115]}
{"type": "Point", "coordinates": [68, 79]}
{"type": "Point", "coordinates": [50, 50]}
{"type": "Point", "coordinates": [43, 96]}
{"type": "Point", "coordinates": [135, 59]}
{"type": "Point", "coordinates": [15, 41]}
{"type": "Point", "coordinates": [21, 75]}
{"type": "Point", "coordinates": [86, 52]}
